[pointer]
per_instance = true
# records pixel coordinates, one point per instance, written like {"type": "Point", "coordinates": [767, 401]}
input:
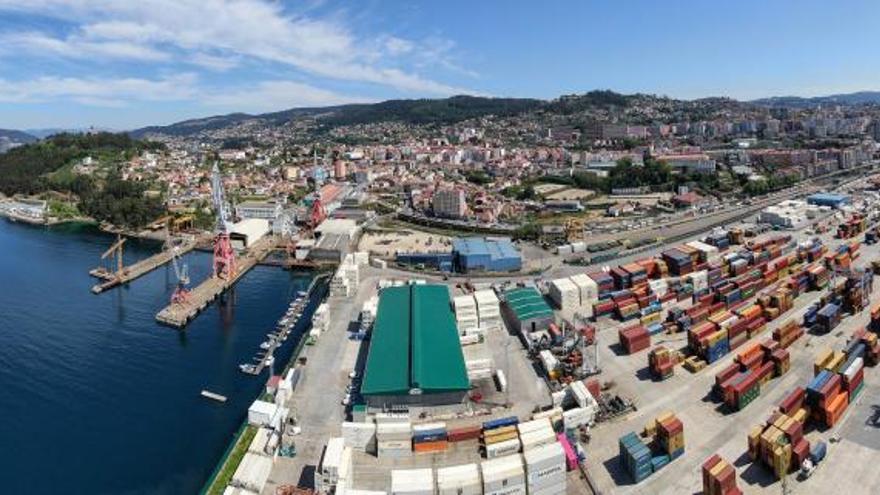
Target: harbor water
{"type": "Point", "coordinates": [95, 396]}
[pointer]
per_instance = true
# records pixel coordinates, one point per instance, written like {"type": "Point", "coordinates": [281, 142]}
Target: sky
{"type": "Point", "coordinates": [123, 64]}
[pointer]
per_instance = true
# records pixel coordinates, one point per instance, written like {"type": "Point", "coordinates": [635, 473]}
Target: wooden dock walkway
{"type": "Point", "coordinates": [179, 314]}
{"type": "Point", "coordinates": [139, 269]}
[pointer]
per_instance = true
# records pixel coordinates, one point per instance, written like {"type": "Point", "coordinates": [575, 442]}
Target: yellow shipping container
{"type": "Point", "coordinates": [500, 438]}
{"type": "Point", "coordinates": [821, 360]}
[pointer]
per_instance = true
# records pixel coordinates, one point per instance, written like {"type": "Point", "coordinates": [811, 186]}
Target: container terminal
{"type": "Point", "coordinates": [728, 361]}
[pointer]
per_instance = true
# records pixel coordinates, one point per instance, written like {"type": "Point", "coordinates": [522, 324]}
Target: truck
{"type": "Point", "coordinates": [817, 454]}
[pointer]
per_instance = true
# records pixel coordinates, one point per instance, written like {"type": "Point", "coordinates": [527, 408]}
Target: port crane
{"type": "Point", "coordinates": [224, 255]}
{"type": "Point", "coordinates": [317, 214]}
{"type": "Point", "coordinates": [181, 272]}
{"type": "Point", "coordinates": [116, 250]}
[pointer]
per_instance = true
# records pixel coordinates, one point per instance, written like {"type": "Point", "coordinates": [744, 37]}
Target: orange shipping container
{"type": "Point", "coordinates": [428, 447]}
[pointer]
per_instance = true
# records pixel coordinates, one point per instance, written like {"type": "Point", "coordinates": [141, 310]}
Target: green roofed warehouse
{"type": "Point", "coordinates": [415, 358]}
{"type": "Point", "coordinates": [526, 311]}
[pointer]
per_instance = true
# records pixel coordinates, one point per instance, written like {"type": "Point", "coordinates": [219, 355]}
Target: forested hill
{"type": "Point", "coordinates": [35, 168]}
{"type": "Point", "coordinates": [26, 169]}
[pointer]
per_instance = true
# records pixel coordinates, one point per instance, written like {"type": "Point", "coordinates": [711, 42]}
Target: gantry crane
{"type": "Point", "coordinates": [224, 255]}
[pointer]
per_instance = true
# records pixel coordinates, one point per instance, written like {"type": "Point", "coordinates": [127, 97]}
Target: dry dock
{"type": "Point", "coordinates": [179, 314]}
{"type": "Point", "coordinates": [139, 269]}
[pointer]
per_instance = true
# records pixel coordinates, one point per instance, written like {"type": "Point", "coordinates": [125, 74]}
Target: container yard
{"type": "Point", "coordinates": [760, 346]}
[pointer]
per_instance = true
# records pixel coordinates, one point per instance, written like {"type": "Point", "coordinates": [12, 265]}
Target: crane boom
{"type": "Point", "coordinates": [219, 199]}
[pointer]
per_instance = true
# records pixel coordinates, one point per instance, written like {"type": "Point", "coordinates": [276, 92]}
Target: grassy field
{"type": "Point", "coordinates": [233, 459]}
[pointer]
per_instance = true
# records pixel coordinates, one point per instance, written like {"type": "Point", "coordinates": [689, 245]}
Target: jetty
{"type": "Point", "coordinates": [126, 274]}
{"type": "Point", "coordinates": [178, 314]}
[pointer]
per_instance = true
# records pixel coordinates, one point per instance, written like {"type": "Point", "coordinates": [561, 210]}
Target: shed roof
{"type": "Point", "coordinates": [527, 302]}
{"type": "Point", "coordinates": [414, 343]}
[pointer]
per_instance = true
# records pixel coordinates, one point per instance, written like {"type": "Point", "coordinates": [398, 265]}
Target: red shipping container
{"type": "Point", "coordinates": [464, 433]}
{"type": "Point", "coordinates": [793, 401]}
{"type": "Point", "coordinates": [726, 374]}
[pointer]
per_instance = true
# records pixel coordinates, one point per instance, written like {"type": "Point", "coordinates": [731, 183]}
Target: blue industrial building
{"type": "Point", "coordinates": [476, 254]}
{"type": "Point", "coordinates": [828, 199]}
{"type": "Point", "coordinates": [436, 261]}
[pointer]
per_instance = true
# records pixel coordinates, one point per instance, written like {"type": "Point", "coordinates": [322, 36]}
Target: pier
{"type": "Point", "coordinates": [179, 314]}
{"type": "Point", "coordinates": [112, 279]}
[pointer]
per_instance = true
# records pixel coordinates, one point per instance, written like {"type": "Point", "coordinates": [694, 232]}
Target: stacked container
{"type": "Point", "coordinates": [565, 294]}
{"type": "Point", "coordinates": [589, 292]}
{"type": "Point", "coordinates": [459, 480]}
{"type": "Point", "coordinates": [635, 457]}
{"type": "Point", "coordinates": [429, 438]}
{"type": "Point", "coordinates": [661, 363]}
{"type": "Point", "coordinates": [536, 433]}
{"type": "Point", "coordinates": [500, 437]}
{"type": "Point", "coordinates": [788, 333]}
{"type": "Point", "coordinates": [412, 481]}
{"type": "Point", "coordinates": [504, 476]}
{"type": "Point", "coordinates": [670, 435]}
{"type": "Point", "coordinates": [719, 477]}
{"type": "Point", "coordinates": [488, 309]}
{"type": "Point", "coordinates": [545, 470]}
{"type": "Point", "coordinates": [604, 282]}
{"type": "Point", "coordinates": [466, 312]}
{"type": "Point", "coordinates": [393, 436]}
{"type": "Point", "coordinates": [634, 339]}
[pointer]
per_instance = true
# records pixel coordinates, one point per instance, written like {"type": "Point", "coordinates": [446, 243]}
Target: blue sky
{"type": "Point", "coordinates": [123, 64]}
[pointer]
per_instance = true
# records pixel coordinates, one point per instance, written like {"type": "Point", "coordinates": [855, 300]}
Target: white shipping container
{"type": "Point", "coordinates": [258, 444]}
{"type": "Point", "coordinates": [854, 368]}
{"type": "Point", "coordinates": [260, 413]}
{"type": "Point", "coordinates": [533, 425]}
{"type": "Point", "coordinates": [564, 249]}
{"type": "Point", "coordinates": [359, 436]}
{"type": "Point", "coordinates": [479, 374]}
{"type": "Point", "coordinates": [574, 418]}
{"type": "Point", "coordinates": [412, 481]}
{"type": "Point", "coordinates": [355, 491]}
{"type": "Point", "coordinates": [588, 288]}
{"type": "Point", "coordinates": [548, 360]}
{"type": "Point", "coordinates": [578, 247]}
{"type": "Point", "coordinates": [550, 414]}
{"type": "Point", "coordinates": [564, 293]}
{"type": "Point", "coordinates": [580, 393]}
{"type": "Point", "coordinates": [504, 448]}
{"type": "Point", "coordinates": [502, 379]}
{"type": "Point", "coordinates": [504, 475]}
{"type": "Point", "coordinates": [252, 472]}
{"type": "Point", "coordinates": [537, 438]}
{"type": "Point", "coordinates": [333, 457]}
{"type": "Point", "coordinates": [545, 462]}
{"type": "Point", "coordinates": [459, 480]}
{"type": "Point", "coordinates": [419, 428]}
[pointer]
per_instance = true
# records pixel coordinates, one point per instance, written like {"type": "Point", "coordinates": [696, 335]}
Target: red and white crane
{"type": "Point", "coordinates": [224, 255]}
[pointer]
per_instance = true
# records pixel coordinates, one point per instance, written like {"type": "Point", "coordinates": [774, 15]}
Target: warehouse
{"type": "Point", "coordinates": [828, 199]}
{"type": "Point", "coordinates": [246, 232]}
{"type": "Point", "coordinates": [415, 359]}
{"type": "Point", "coordinates": [526, 312]}
{"type": "Point", "coordinates": [478, 254]}
{"type": "Point", "coordinates": [433, 261]}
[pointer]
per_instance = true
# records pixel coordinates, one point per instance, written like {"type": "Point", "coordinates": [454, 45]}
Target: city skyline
{"type": "Point", "coordinates": [93, 63]}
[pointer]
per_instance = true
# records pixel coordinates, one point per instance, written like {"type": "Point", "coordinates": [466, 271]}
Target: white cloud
{"type": "Point", "coordinates": [76, 47]}
{"type": "Point", "coordinates": [98, 92]}
{"type": "Point", "coordinates": [255, 29]}
{"type": "Point", "coordinates": [214, 62]}
{"type": "Point", "coordinates": [277, 95]}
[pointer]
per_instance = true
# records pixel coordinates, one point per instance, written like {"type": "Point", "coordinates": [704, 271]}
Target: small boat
{"type": "Point", "coordinates": [247, 368]}
{"type": "Point", "coordinates": [266, 345]}
{"type": "Point", "coordinates": [270, 360]}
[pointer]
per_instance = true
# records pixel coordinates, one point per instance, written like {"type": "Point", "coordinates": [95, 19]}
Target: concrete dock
{"type": "Point", "coordinates": [179, 314]}
{"type": "Point", "coordinates": [139, 269]}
